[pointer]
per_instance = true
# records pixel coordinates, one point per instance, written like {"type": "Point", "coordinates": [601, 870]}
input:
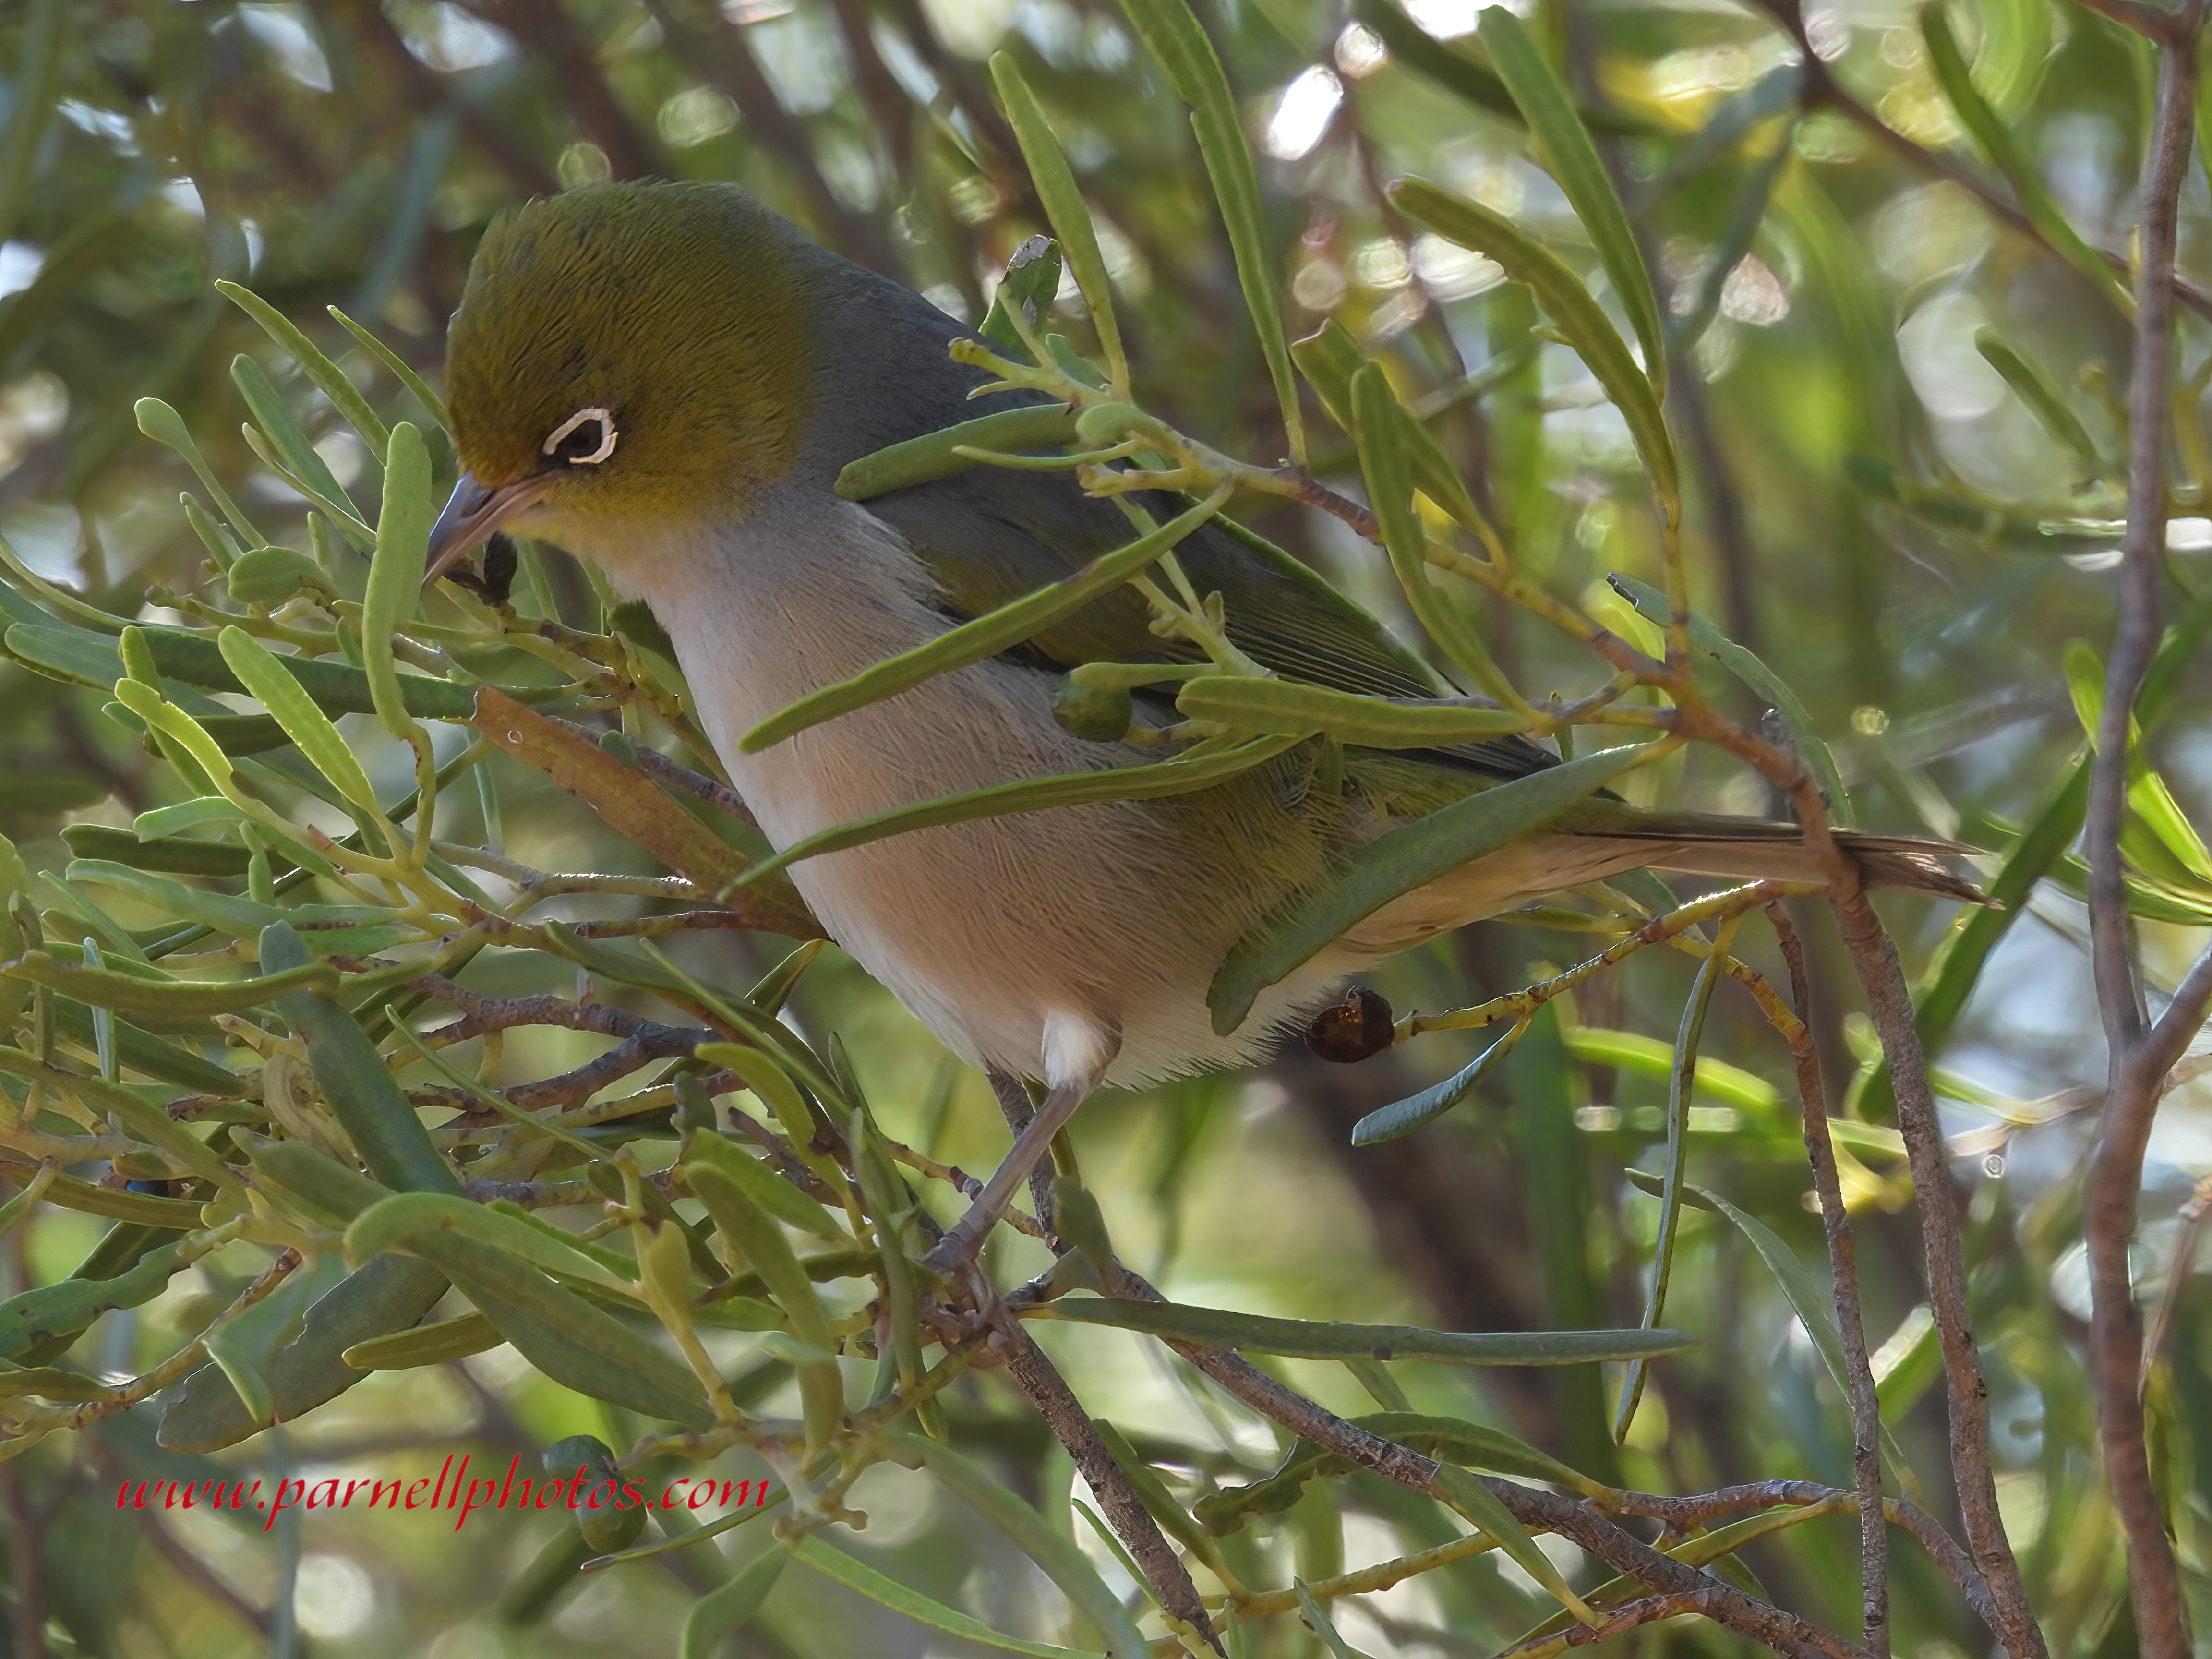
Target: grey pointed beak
{"type": "Point", "coordinates": [472, 512]}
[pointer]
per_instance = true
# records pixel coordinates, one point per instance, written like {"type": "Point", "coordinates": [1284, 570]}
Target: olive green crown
{"type": "Point", "coordinates": [674, 308]}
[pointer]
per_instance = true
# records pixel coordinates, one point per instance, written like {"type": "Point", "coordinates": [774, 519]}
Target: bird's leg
{"type": "Point", "coordinates": [1015, 1102]}
{"type": "Point", "coordinates": [958, 1247]}
{"type": "Point", "coordinates": [1076, 1054]}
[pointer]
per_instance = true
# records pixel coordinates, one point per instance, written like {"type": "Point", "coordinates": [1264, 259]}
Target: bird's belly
{"type": "Point", "coordinates": [1112, 918]}
{"type": "Point", "coordinates": [1115, 915]}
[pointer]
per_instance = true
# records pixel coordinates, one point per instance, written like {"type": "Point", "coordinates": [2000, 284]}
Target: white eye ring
{"type": "Point", "coordinates": [608, 436]}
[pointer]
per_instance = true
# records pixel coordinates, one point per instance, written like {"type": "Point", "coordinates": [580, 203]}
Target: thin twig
{"type": "Point", "coordinates": [713, 791]}
{"type": "Point", "coordinates": [1821, 89]}
{"type": "Point", "coordinates": [1843, 1269]}
{"type": "Point", "coordinates": [2168, 29]}
{"type": "Point", "coordinates": [2136, 1067]}
{"type": "Point", "coordinates": [1648, 1611]}
{"type": "Point", "coordinates": [1783, 1631]}
{"type": "Point", "coordinates": [1040, 1379]}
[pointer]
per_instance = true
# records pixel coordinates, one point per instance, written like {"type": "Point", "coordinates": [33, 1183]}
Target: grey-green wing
{"type": "Point", "coordinates": [990, 535]}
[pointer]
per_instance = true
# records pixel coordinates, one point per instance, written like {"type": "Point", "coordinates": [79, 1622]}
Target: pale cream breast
{"type": "Point", "coordinates": [996, 933]}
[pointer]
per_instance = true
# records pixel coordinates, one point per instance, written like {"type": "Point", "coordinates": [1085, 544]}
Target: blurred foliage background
{"type": "Point", "coordinates": [1875, 508]}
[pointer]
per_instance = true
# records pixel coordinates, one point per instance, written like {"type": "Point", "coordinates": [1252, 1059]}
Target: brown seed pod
{"type": "Point", "coordinates": [1355, 1027]}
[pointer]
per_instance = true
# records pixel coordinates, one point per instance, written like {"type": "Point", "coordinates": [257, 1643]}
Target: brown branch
{"type": "Point", "coordinates": [1700, 1509]}
{"type": "Point", "coordinates": [1300, 485]}
{"type": "Point", "coordinates": [1874, 955]}
{"type": "Point", "coordinates": [1944, 1548]}
{"type": "Point", "coordinates": [1648, 1611]}
{"type": "Point", "coordinates": [658, 767]}
{"type": "Point", "coordinates": [1822, 88]}
{"type": "Point", "coordinates": [1784, 1633]}
{"type": "Point", "coordinates": [2136, 1065]}
{"type": "Point", "coordinates": [1843, 1269]}
{"type": "Point", "coordinates": [481, 1013]}
{"type": "Point", "coordinates": [2167, 29]}
{"type": "Point", "coordinates": [1889, 1001]}
{"type": "Point", "coordinates": [1037, 1377]}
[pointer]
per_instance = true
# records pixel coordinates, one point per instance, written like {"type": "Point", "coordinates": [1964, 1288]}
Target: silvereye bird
{"type": "Point", "coordinates": [666, 379]}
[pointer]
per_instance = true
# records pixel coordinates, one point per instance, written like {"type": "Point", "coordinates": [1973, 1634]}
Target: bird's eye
{"type": "Point", "coordinates": [585, 439]}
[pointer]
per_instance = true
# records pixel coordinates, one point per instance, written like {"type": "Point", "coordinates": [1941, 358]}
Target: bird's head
{"type": "Point", "coordinates": [624, 354]}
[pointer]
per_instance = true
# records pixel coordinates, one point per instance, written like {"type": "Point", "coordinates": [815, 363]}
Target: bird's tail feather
{"type": "Point", "coordinates": [1904, 864]}
{"type": "Point", "coordinates": [1737, 849]}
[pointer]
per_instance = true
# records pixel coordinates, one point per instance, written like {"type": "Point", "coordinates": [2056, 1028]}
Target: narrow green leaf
{"type": "Point", "coordinates": [1568, 156]}
{"type": "Point", "coordinates": [73, 1304]}
{"type": "Point", "coordinates": [1317, 1621]}
{"type": "Point", "coordinates": [985, 636]}
{"type": "Point", "coordinates": [165, 426]}
{"type": "Point", "coordinates": [1204, 766]}
{"type": "Point", "coordinates": [766, 1077]}
{"type": "Point", "coordinates": [768, 1189]}
{"type": "Point", "coordinates": [51, 1382]}
{"type": "Point", "coordinates": [1998, 147]}
{"type": "Point", "coordinates": [282, 430]}
{"type": "Point", "coordinates": [1648, 1057]}
{"type": "Point", "coordinates": [1175, 1520]}
{"type": "Point", "coordinates": [1061, 1562]}
{"type": "Point", "coordinates": [1065, 207]}
{"type": "Point", "coordinates": [406, 376]}
{"type": "Point", "coordinates": [204, 1414]}
{"type": "Point", "coordinates": [395, 572]}
{"type": "Point", "coordinates": [1580, 321]}
{"type": "Point", "coordinates": [369, 1105]}
{"type": "Point", "coordinates": [1329, 358]}
{"type": "Point", "coordinates": [1486, 1511]}
{"type": "Point", "coordinates": [862, 1579]}
{"type": "Point", "coordinates": [729, 1607]}
{"type": "Point", "coordinates": [270, 575]}
{"type": "Point", "coordinates": [354, 929]}
{"type": "Point", "coordinates": [1681, 1077]}
{"type": "Point", "coordinates": [1409, 44]}
{"type": "Point", "coordinates": [333, 507]}
{"type": "Point", "coordinates": [934, 455]}
{"type": "Point", "coordinates": [753, 1232]}
{"type": "Point", "coordinates": [120, 1204]}
{"type": "Point", "coordinates": [310, 729]}
{"type": "Point", "coordinates": [1378, 424]}
{"type": "Point", "coordinates": [564, 1335]}
{"type": "Point", "coordinates": [1404, 1116]}
{"type": "Point", "coordinates": [328, 377]}
{"type": "Point", "coordinates": [337, 688]}
{"type": "Point", "coordinates": [1294, 709]}
{"type": "Point", "coordinates": [1307, 1338]}
{"type": "Point", "coordinates": [2032, 388]}
{"type": "Point", "coordinates": [172, 998]}
{"type": "Point", "coordinates": [1395, 864]}
{"type": "Point", "coordinates": [1651, 605]}
{"type": "Point", "coordinates": [1807, 1299]}
{"type": "Point", "coordinates": [426, 1344]}
{"type": "Point", "coordinates": [397, 1222]}
{"type": "Point", "coordinates": [245, 1348]}
{"type": "Point", "coordinates": [1172, 34]}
